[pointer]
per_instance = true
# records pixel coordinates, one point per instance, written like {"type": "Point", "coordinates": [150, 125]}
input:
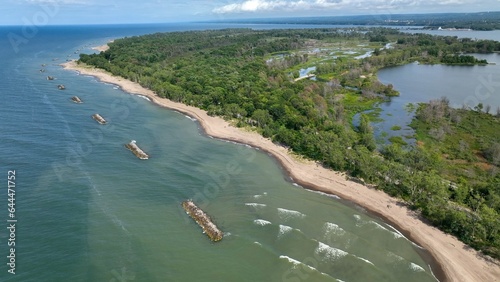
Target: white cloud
{"type": "Point", "coordinates": [62, 2]}
{"type": "Point", "coordinates": [301, 5]}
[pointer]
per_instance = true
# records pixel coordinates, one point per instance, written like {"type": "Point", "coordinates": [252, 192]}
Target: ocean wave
{"type": "Point", "coordinates": [330, 253]}
{"type": "Point", "coordinates": [255, 205]}
{"type": "Point", "coordinates": [257, 243]}
{"type": "Point", "coordinates": [191, 118]}
{"type": "Point", "coordinates": [325, 194]}
{"type": "Point", "coordinates": [289, 214]}
{"type": "Point", "coordinates": [257, 196]}
{"type": "Point", "coordinates": [396, 234]}
{"type": "Point", "coordinates": [394, 257]}
{"type": "Point", "coordinates": [144, 97]}
{"type": "Point", "coordinates": [365, 260]}
{"type": "Point", "coordinates": [297, 263]}
{"type": "Point", "coordinates": [332, 228]}
{"type": "Point", "coordinates": [261, 222]}
{"type": "Point", "coordinates": [415, 267]}
{"type": "Point", "coordinates": [284, 229]}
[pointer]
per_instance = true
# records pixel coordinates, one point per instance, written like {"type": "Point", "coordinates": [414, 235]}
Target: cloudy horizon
{"type": "Point", "coordinates": [19, 12]}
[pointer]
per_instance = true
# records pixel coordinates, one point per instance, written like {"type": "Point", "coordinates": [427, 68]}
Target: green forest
{"type": "Point", "coordinates": [251, 78]}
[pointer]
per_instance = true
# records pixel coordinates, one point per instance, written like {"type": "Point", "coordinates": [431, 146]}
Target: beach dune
{"type": "Point", "coordinates": [456, 261]}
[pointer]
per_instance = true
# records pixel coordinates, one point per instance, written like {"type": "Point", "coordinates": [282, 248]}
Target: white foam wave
{"type": "Point", "coordinates": [394, 256]}
{"type": "Point", "coordinates": [359, 222]}
{"type": "Point", "coordinates": [191, 118]}
{"type": "Point", "coordinates": [332, 228]}
{"type": "Point", "coordinates": [365, 260]}
{"type": "Point", "coordinates": [255, 205]}
{"type": "Point", "coordinates": [257, 196]}
{"type": "Point", "coordinates": [284, 229]}
{"type": "Point", "coordinates": [401, 235]}
{"type": "Point", "coordinates": [395, 233]}
{"type": "Point", "coordinates": [289, 214]}
{"type": "Point", "coordinates": [325, 194]}
{"type": "Point", "coordinates": [261, 222]}
{"type": "Point", "coordinates": [257, 243]}
{"type": "Point", "coordinates": [415, 267]}
{"type": "Point", "coordinates": [116, 87]}
{"type": "Point", "coordinates": [329, 252]}
{"type": "Point", "coordinates": [227, 234]}
{"type": "Point", "coordinates": [297, 264]}
{"type": "Point", "coordinates": [144, 97]}
{"type": "Point", "coordinates": [296, 185]}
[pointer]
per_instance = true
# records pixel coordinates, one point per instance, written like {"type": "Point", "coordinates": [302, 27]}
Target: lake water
{"type": "Point", "coordinates": [462, 85]}
{"type": "Point", "coordinates": [89, 210]}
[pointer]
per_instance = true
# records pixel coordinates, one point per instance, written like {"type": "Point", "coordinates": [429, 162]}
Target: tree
{"type": "Point", "coordinates": [366, 132]}
{"type": "Point", "coordinates": [493, 153]}
{"type": "Point", "coordinates": [262, 117]}
{"type": "Point", "coordinates": [479, 107]}
{"type": "Point", "coordinates": [487, 109]}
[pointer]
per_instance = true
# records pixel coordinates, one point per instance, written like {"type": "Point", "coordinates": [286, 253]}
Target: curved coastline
{"type": "Point", "coordinates": [451, 259]}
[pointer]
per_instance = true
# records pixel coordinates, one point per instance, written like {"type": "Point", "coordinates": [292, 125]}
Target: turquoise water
{"type": "Point", "coordinates": [89, 210]}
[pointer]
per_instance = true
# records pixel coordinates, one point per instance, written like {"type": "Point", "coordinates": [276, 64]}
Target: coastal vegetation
{"type": "Point", "coordinates": [249, 77]}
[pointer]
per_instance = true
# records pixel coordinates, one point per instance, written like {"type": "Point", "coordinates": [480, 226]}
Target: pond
{"type": "Point", "coordinates": [462, 85]}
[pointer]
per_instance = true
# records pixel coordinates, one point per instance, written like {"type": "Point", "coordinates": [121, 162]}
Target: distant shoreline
{"type": "Point", "coordinates": [451, 259]}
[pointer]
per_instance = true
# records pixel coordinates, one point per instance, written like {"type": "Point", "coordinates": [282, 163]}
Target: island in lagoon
{"type": "Point", "coordinates": [248, 78]}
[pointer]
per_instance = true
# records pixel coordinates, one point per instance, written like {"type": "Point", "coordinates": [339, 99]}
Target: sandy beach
{"type": "Point", "coordinates": [102, 48]}
{"type": "Point", "coordinates": [455, 260]}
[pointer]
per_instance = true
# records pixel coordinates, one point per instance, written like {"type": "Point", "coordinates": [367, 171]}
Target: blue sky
{"type": "Point", "coordinates": [42, 12]}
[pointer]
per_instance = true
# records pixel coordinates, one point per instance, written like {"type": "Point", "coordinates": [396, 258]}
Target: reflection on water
{"type": "Point", "coordinates": [462, 85]}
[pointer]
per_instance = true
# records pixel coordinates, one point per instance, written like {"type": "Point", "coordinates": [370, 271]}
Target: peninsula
{"type": "Point", "coordinates": [349, 86]}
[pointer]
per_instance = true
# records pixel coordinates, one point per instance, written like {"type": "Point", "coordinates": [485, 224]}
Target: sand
{"type": "Point", "coordinates": [102, 48]}
{"type": "Point", "coordinates": [453, 260]}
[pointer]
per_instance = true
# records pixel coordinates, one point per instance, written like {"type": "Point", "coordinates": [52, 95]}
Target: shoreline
{"type": "Point", "coordinates": [451, 260]}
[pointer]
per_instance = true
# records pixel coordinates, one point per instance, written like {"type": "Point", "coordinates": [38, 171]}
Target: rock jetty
{"type": "Point", "coordinates": [203, 220]}
{"type": "Point", "coordinates": [138, 152]}
{"type": "Point", "coordinates": [76, 99]}
{"type": "Point", "coordinates": [98, 118]}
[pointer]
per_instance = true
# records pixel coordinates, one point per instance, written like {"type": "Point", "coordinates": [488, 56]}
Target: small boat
{"type": "Point", "coordinates": [61, 87]}
{"type": "Point", "coordinates": [99, 118]}
{"type": "Point", "coordinates": [76, 99]}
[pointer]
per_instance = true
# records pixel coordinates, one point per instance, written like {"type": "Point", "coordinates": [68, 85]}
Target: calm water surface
{"type": "Point", "coordinates": [462, 85]}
